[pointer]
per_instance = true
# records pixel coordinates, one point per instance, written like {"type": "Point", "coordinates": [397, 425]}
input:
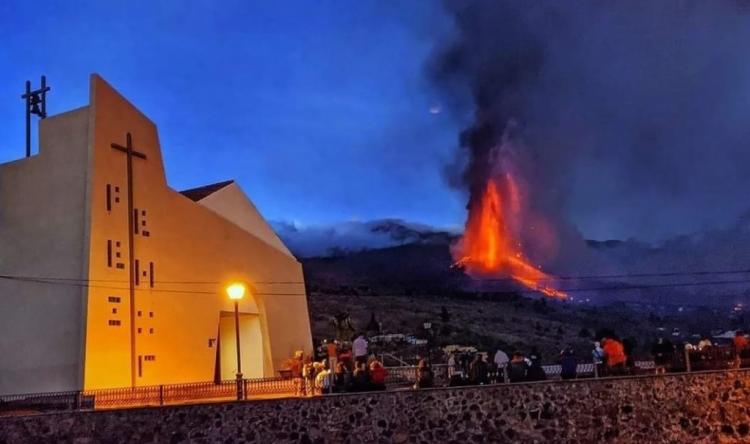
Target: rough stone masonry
{"type": "Point", "coordinates": [680, 408]}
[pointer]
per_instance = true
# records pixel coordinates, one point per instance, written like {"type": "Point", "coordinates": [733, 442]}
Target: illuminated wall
{"type": "Point", "coordinates": [185, 252]}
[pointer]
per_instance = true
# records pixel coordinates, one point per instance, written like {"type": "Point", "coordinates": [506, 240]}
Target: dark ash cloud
{"type": "Point", "coordinates": [634, 114]}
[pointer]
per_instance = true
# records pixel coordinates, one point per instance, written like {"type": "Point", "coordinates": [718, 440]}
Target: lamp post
{"type": "Point", "coordinates": [428, 329]}
{"type": "Point", "coordinates": [236, 292]}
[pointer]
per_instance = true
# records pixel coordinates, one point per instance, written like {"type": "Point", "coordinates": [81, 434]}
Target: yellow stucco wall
{"type": "Point", "coordinates": [231, 203]}
{"type": "Point", "coordinates": [194, 252]}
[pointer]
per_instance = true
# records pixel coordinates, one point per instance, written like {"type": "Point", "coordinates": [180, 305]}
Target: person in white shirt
{"type": "Point", "coordinates": [704, 343]}
{"type": "Point", "coordinates": [323, 379]}
{"type": "Point", "coordinates": [501, 360]}
{"type": "Point", "coordinates": [452, 365]}
{"type": "Point", "coordinates": [359, 348]}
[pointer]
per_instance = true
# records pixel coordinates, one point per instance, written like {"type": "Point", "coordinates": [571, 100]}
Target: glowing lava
{"type": "Point", "coordinates": [490, 245]}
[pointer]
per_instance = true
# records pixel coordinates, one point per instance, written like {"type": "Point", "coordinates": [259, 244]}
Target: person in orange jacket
{"type": "Point", "coordinates": [378, 373]}
{"type": "Point", "coordinates": [614, 355]}
{"type": "Point", "coordinates": [739, 341]}
{"type": "Point", "coordinates": [740, 344]}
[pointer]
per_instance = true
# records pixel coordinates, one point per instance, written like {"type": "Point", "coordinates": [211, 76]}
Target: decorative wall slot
{"type": "Point", "coordinates": [112, 196]}
{"type": "Point", "coordinates": [140, 222]}
{"type": "Point", "coordinates": [114, 254]}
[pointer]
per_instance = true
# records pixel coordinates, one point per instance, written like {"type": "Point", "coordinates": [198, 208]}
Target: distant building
{"type": "Point", "coordinates": [103, 284]}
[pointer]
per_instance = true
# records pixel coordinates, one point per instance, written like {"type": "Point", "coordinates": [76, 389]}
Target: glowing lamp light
{"type": "Point", "coordinates": [236, 291]}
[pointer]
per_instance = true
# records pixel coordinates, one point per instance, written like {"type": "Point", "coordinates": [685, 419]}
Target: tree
{"type": "Point", "coordinates": [445, 317]}
{"type": "Point", "coordinates": [343, 325]}
{"type": "Point", "coordinates": [373, 327]}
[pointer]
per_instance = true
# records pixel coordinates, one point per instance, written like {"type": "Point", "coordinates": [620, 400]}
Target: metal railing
{"type": "Point", "coordinates": [37, 402]}
{"type": "Point", "coordinates": [154, 395]}
{"type": "Point", "coordinates": [385, 356]}
{"type": "Point", "coordinates": [713, 358]}
{"type": "Point", "coordinates": [407, 375]}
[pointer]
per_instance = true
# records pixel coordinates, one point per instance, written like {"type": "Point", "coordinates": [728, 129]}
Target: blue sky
{"type": "Point", "coordinates": [320, 109]}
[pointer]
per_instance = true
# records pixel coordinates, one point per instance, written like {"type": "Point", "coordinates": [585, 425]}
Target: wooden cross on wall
{"type": "Point", "coordinates": [130, 152]}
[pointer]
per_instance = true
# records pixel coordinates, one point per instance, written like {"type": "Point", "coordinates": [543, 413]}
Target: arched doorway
{"type": "Point", "coordinates": [251, 344]}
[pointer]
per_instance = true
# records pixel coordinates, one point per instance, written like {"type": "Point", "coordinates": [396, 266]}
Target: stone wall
{"type": "Point", "coordinates": [697, 407]}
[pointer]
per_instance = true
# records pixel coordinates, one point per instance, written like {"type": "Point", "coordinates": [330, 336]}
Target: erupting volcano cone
{"type": "Point", "coordinates": [490, 248]}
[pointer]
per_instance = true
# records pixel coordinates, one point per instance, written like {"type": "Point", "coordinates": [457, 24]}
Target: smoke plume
{"type": "Point", "coordinates": [631, 116]}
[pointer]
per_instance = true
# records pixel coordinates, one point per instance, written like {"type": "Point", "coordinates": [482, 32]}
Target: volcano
{"type": "Point", "coordinates": [491, 246]}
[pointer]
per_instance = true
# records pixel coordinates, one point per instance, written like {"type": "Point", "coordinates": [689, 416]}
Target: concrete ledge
{"type": "Point", "coordinates": [688, 407]}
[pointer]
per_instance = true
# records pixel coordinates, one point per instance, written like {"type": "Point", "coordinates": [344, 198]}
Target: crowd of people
{"type": "Point", "coordinates": [611, 356]}
{"type": "Point", "coordinates": [352, 368]}
{"type": "Point", "coordinates": [343, 369]}
{"type": "Point", "coordinates": [477, 369]}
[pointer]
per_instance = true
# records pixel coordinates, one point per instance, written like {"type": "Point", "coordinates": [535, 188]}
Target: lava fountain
{"type": "Point", "coordinates": [491, 246]}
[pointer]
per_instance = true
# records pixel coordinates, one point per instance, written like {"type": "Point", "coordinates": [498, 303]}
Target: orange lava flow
{"type": "Point", "coordinates": [488, 246]}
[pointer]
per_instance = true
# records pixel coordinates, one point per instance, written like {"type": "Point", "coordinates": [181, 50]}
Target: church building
{"type": "Point", "coordinates": [109, 278]}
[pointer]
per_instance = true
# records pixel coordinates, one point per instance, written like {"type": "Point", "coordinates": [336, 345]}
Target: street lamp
{"type": "Point", "coordinates": [236, 291]}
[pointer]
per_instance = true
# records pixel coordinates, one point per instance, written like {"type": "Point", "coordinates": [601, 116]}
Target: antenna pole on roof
{"type": "Point", "coordinates": [36, 103]}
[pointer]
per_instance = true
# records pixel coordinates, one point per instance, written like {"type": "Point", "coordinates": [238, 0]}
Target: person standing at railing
{"type": "Point", "coordinates": [478, 371]}
{"type": "Point", "coordinates": [359, 347]}
{"type": "Point", "coordinates": [308, 376]}
{"type": "Point", "coordinates": [705, 343]}
{"type": "Point", "coordinates": [501, 360]}
{"type": "Point", "coordinates": [378, 373]}
{"type": "Point", "coordinates": [452, 369]}
{"type": "Point", "coordinates": [361, 378]}
{"type": "Point", "coordinates": [597, 356]}
{"type": "Point", "coordinates": [323, 379]}
{"type": "Point", "coordinates": [517, 368]}
{"type": "Point", "coordinates": [535, 371]}
{"type": "Point", "coordinates": [332, 352]}
{"type": "Point", "coordinates": [425, 376]}
{"type": "Point", "coordinates": [295, 369]}
{"type": "Point", "coordinates": [629, 345]}
{"type": "Point", "coordinates": [491, 371]}
{"type": "Point", "coordinates": [614, 355]}
{"type": "Point", "coordinates": [464, 362]}
{"type": "Point", "coordinates": [739, 344]}
{"type": "Point", "coordinates": [455, 375]}
{"type": "Point", "coordinates": [663, 353]}
{"type": "Point", "coordinates": [346, 358]}
{"type": "Point", "coordinates": [568, 364]}
{"type": "Point", "coordinates": [342, 378]}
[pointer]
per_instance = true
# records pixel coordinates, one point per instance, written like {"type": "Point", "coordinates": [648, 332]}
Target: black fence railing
{"type": "Point", "coordinates": [41, 402]}
{"type": "Point", "coordinates": [715, 358]}
{"type": "Point", "coordinates": [407, 376]}
{"type": "Point", "coordinates": [155, 395]}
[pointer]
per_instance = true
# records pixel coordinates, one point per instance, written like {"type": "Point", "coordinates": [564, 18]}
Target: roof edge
{"type": "Point", "coordinates": [199, 193]}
